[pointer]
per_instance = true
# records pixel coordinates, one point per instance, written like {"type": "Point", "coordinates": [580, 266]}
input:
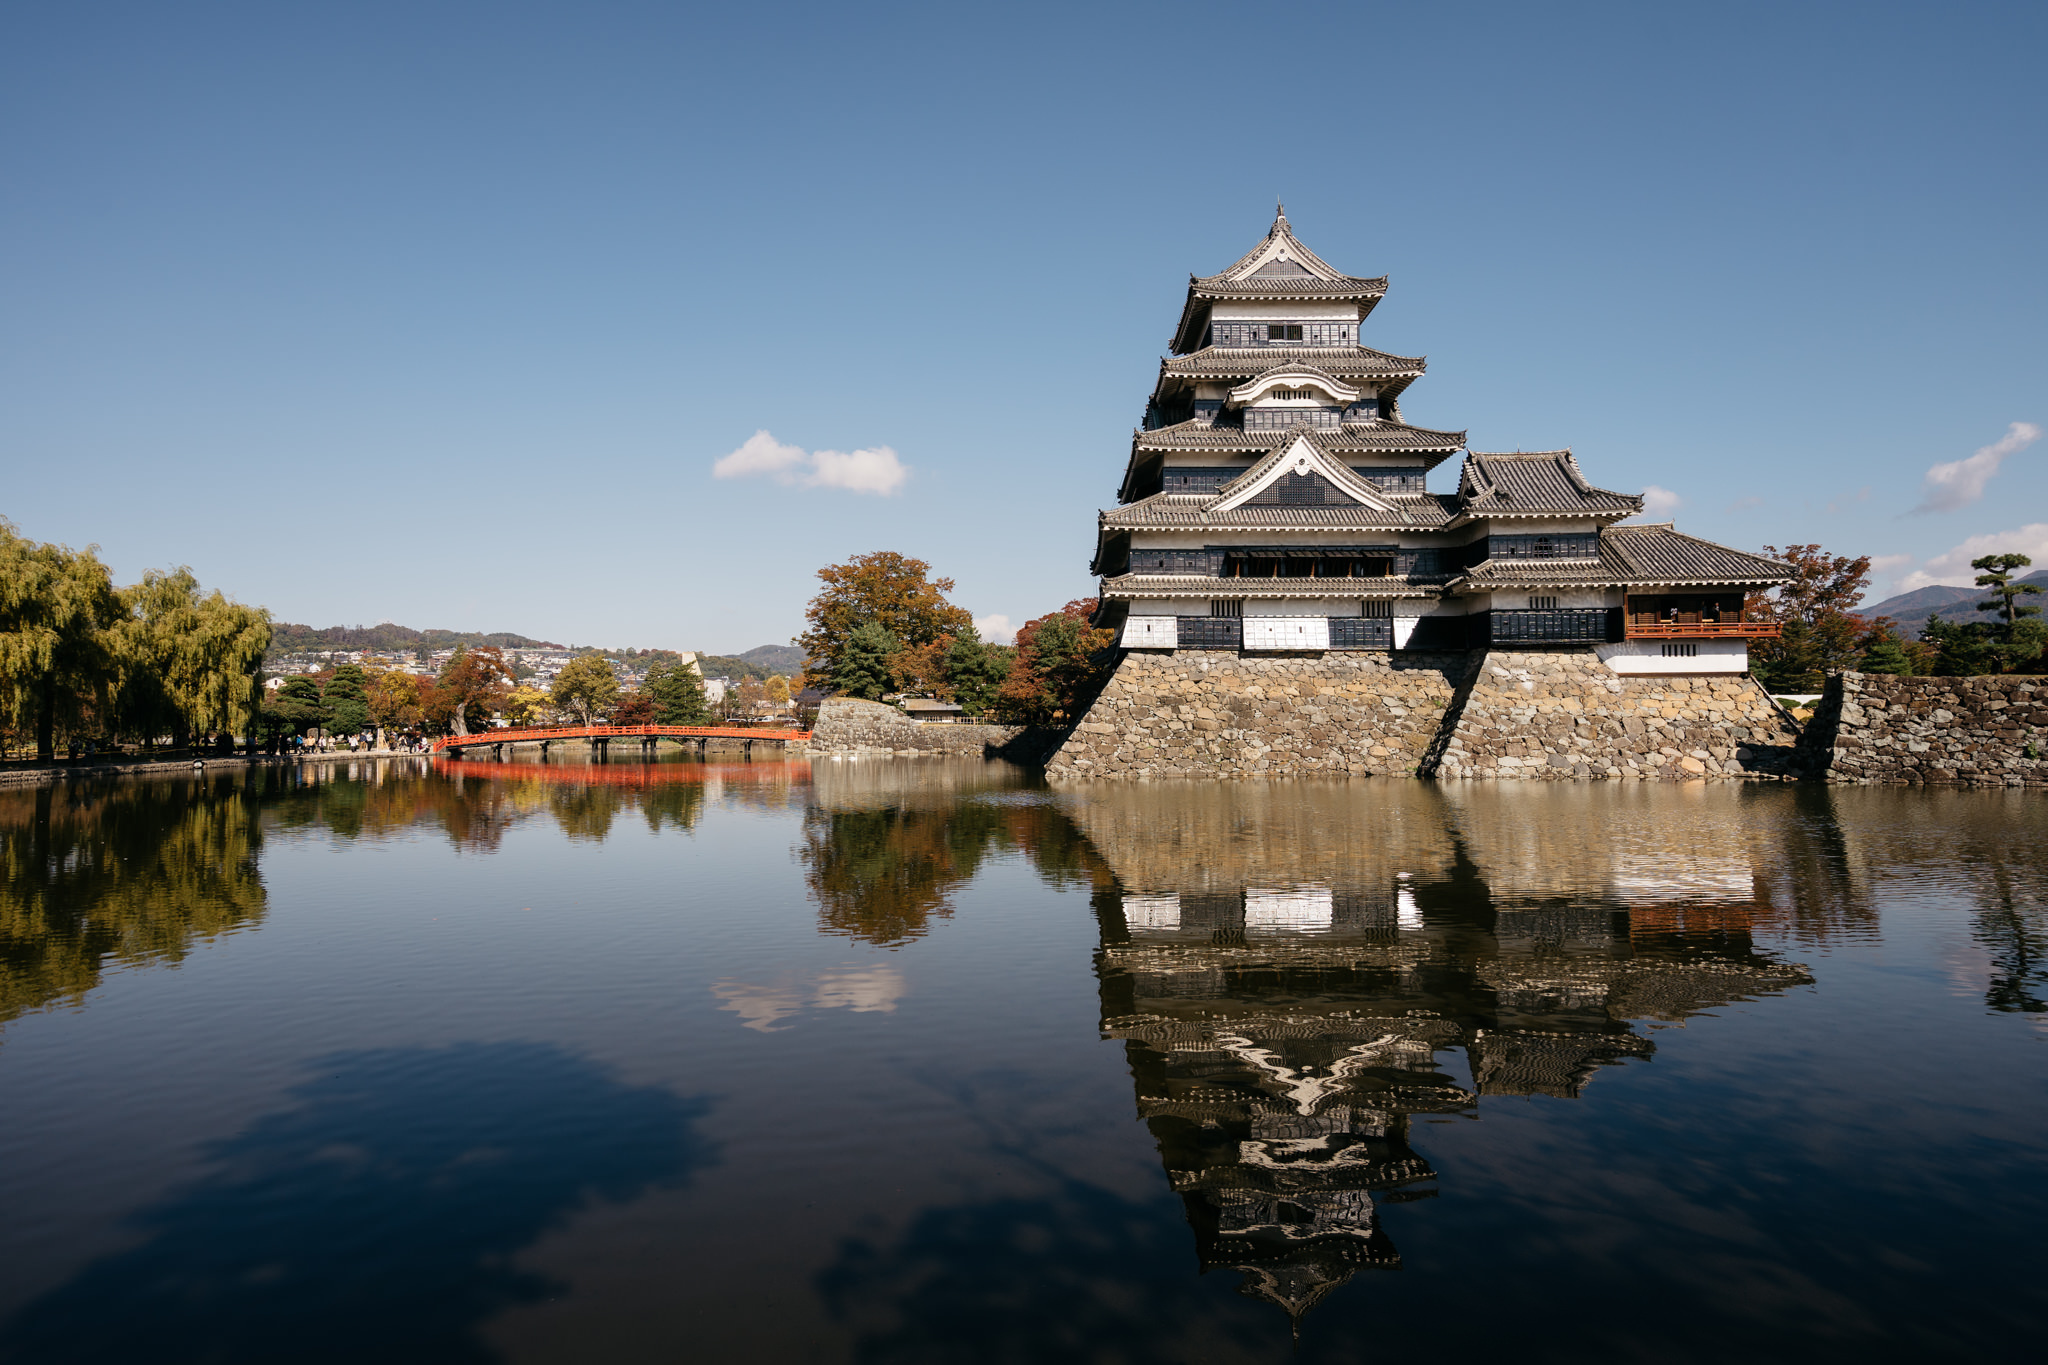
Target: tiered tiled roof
{"type": "Point", "coordinates": [1243, 362]}
{"type": "Point", "coordinates": [1186, 511]}
{"type": "Point", "coordinates": [1536, 483]}
{"type": "Point", "coordinates": [1648, 555]}
{"type": "Point", "coordinates": [1352, 437]}
{"type": "Point", "coordinates": [1127, 586]}
{"type": "Point", "coordinates": [1279, 267]}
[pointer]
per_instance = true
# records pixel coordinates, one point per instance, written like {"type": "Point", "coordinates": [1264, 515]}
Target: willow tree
{"type": "Point", "coordinates": [58, 607]}
{"type": "Point", "coordinates": [190, 660]}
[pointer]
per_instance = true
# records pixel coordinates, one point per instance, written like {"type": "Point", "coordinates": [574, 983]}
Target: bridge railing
{"type": "Point", "coordinates": [554, 732]}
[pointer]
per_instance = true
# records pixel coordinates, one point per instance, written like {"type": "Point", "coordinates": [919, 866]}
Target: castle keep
{"type": "Point", "coordinates": [1275, 500]}
{"type": "Point", "coordinates": [1293, 597]}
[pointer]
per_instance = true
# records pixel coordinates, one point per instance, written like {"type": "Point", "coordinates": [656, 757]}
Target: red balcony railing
{"type": "Point", "coordinates": [1703, 630]}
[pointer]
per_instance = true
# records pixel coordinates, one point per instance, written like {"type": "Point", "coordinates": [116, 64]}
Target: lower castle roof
{"type": "Point", "coordinates": [1653, 554]}
{"type": "Point", "coordinates": [1178, 511]}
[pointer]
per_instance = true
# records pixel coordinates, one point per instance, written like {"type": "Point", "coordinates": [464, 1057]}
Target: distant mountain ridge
{"type": "Point", "coordinates": [287, 638]}
{"type": "Point", "coordinates": [1911, 609]}
{"type": "Point", "coordinates": [762, 661]}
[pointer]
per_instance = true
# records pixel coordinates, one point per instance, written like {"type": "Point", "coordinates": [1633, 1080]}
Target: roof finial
{"type": "Point", "coordinates": [1279, 214]}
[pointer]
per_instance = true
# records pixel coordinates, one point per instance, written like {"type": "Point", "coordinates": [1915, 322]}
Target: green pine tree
{"type": "Point", "coordinates": [2005, 594]}
{"type": "Point", "coordinates": [348, 705]}
{"type": "Point", "coordinates": [862, 667]}
{"type": "Point", "coordinates": [1886, 653]}
{"type": "Point", "coordinates": [678, 694]}
{"type": "Point", "coordinates": [975, 670]}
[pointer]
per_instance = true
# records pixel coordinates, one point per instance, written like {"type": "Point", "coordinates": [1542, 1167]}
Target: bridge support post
{"type": "Point", "coordinates": [544, 749]}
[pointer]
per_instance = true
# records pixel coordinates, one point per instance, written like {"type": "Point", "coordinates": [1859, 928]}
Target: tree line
{"type": "Point", "coordinates": [1821, 633]}
{"type": "Point", "coordinates": [474, 688]}
{"type": "Point", "coordinates": [882, 626]}
{"type": "Point", "coordinates": [84, 659]}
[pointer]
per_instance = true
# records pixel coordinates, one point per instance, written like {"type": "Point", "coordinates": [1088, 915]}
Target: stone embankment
{"type": "Point", "coordinates": [1874, 728]}
{"type": "Point", "coordinates": [1547, 715]}
{"type": "Point", "coordinates": [1563, 714]}
{"type": "Point", "coordinates": [32, 775]}
{"type": "Point", "coordinates": [1216, 713]}
{"type": "Point", "coordinates": [868, 727]}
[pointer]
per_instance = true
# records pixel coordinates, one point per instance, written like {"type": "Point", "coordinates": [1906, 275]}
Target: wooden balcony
{"type": "Point", "coordinates": [1702, 630]}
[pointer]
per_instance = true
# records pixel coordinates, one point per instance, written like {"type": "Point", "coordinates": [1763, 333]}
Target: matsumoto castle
{"type": "Point", "coordinates": [1276, 501]}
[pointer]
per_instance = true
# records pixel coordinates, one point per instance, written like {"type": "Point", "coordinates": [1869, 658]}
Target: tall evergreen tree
{"type": "Point", "coordinates": [348, 705]}
{"type": "Point", "coordinates": [975, 670]}
{"type": "Point", "coordinates": [860, 667]}
{"type": "Point", "coordinates": [678, 693]}
{"type": "Point", "coordinates": [2005, 593]}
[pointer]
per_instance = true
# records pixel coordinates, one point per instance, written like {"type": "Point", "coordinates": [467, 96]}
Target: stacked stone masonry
{"type": "Point", "coordinates": [1550, 715]}
{"type": "Point", "coordinates": [1873, 728]}
{"type": "Point", "coordinates": [1563, 714]}
{"type": "Point", "coordinates": [1215, 713]}
{"type": "Point", "coordinates": [867, 727]}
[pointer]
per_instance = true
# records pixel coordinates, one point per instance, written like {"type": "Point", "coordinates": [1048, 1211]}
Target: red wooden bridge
{"type": "Point", "coordinates": [602, 735]}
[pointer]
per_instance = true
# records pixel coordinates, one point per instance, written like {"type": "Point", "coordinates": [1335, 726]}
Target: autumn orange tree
{"type": "Point", "coordinates": [472, 684]}
{"type": "Point", "coordinates": [1815, 611]}
{"type": "Point", "coordinates": [886, 589]}
{"type": "Point", "coordinates": [1059, 664]}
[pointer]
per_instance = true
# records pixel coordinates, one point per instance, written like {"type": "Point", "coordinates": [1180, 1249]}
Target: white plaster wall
{"type": "Point", "coordinates": [1539, 526]}
{"type": "Point", "coordinates": [1567, 599]}
{"type": "Point", "coordinates": [1171, 606]}
{"type": "Point", "coordinates": [1281, 310]}
{"type": "Point", "coordinates": [1643, 658]}
{"type": "Point", "coordinates": [1151, 632]}
{"type": "Point", "coordinates": [1286, 632]}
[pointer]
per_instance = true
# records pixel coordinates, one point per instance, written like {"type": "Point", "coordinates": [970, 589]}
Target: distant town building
{"type": "Point", "coordinates": [1275, 500]}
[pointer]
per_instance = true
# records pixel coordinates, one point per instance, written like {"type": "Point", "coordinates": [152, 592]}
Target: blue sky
{"type": "Point", "coordinates": [444, 313]}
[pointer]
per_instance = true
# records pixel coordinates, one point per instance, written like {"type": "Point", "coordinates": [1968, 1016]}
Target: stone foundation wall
{"type": "Point", "coordinates": [1874, 728]}
{"type": "Point", "coordinates": [1216, 713]}
{"type": "Point", "coordinates": [1563, 714]}
{"type": "Point", "coordinates": [1556, 714]}
{"type": "Point", "coordinates": [868, 727]}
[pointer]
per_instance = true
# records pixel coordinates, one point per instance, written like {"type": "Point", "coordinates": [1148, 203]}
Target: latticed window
{"type": "Point", "coordinates": [1543, 604]}
{"type": "Point", "coordinates": [1226, 606]}
{"type": "Point", "coordinates": [1302, 395]}
{"type": "Point", "coordinates": [1681, 649]}
{"type": "Point", "coordinates": [1283, 333]}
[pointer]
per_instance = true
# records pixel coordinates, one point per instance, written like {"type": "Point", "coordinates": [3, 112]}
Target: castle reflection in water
{"type": "Point", "coordinates": [1296, 971]}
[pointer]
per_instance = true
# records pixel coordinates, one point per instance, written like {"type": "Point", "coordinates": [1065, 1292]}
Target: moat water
{"type": "Point", "coordinates": [921, 1061]}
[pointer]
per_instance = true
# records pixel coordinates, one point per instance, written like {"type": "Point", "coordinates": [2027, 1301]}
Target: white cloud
{"type": "Point", "coordinates": [1954, 566]}
{"type": "Point", "coordinates": [762, 454]}
{"type": "Point", "coordinates": [996, 629]}
{"type": "Point", "coordinates": [1887, 566]}
{"type": "Point", "coordinates": [1961, 482]}
{"type": "Point", "coordinates": [863, 471]}
{"type": "Point", "coordinates": [859, 471]}
{"type": "Point", "coordinates": [1658, 501]}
